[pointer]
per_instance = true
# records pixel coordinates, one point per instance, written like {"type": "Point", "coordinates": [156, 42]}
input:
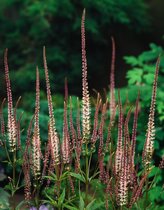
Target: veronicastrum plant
{"type": "Point", "coordinates": [94, 164]}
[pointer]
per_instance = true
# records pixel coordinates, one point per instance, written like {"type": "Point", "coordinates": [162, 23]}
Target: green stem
{"type": "Point", "coordinates": [58, 180]}
{"type": "Point", "coordinates": [7, 152]}
{"type": "Point", "coordinates": [146, 197]}
{"type": "Point", "coordinates": [17, 185]}
{"type": "Point", "coordinates": [14, 169]}
{"type": "Point", "coordinates": [37, 189]}
{"type": "Point", "coordinates": [87, 175]}
{"type": "Point", "coordinates": [90, 162]}
{"type": "Point", "coordinates": [14, 179]}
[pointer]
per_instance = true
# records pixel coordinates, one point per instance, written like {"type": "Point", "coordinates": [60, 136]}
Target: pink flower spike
{"type": "Point", "coordinates": [2, 118]}
{"type": "Point", "coordinates": [112, 83]}
{"type": "Point", "coordinates": [66, 139]}
{"type": "Point", "coordinates": [12, 130]}
{"type": "Point", "coordinates": [85, 91]}
{"type": "Point", "coordinates": [36, 147]}
{"type": "Point", "coordinates": [119, 152]}
{"type": "Point", "coordinates": [150, 135]}
{"type": "Point", "coordinates": [52, 129]}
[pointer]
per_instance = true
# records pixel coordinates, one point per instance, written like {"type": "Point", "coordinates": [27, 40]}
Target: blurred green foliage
{"type": "Point", "coordinates": [28, 25]}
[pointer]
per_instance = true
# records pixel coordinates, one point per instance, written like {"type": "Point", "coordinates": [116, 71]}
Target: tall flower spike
{"type": "Point", "coordinates": [95, 125]}
{"type": "Point", "coordinates": [127, 148]}
{"type": "Point", "coordinates": [12, 131]}
{"type": "Point", "coordinates": [101, 143]}
{"type": "Point", "coordinates": [118, 155]}
{"type": "Point", "coordinates": [72, 129]}
{"type": "Point", "coordinates": [19, 132]}
{"type": "Point", "coordinates": [18, 122]}
{"type": "Point", "coordinates": [36, 136]}
{"type": "Point", "coordinates": [150, 135]}
{"type": "Point", "coordinates": [53, 134]}
{"type": "Point", "coordinates": [85, 92]}
{"type": "Point", "coordinates": [26, 163]}
{"type": "Point", "coordinates": [124, 172]}
{"type": "Point", "coordinates": [66, 142]}
{"type": "Point", "coordinates": [134, 131]}
{"type": "Point", "coordinates": [66, 89]}
{"type": "Point", "coordinates": [26, 171]}
{"type": "Point", "coordinates": [112, 83]}
{"type": "Point", "coordinates": [78, 139]}
{"type": "Point", "coordinates": [138, 190]}
{"type": "Point", "coordinates": [78, 121]}
{"type": "Point", "coordinates": [46, 156]}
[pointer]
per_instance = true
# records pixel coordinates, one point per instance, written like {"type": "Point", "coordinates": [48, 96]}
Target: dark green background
{"type": "Point", "coordinates": [25, 26]}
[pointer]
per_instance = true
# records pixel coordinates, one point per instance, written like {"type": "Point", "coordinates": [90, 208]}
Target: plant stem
{"type": "Point", "coordinates": [14, 178]}
{"type": "Point", "coordinates": [146, 197]}
{"type": "Point", "coordinates": [58, 180]}
{"type": "Point", "coordinates": [90, 161]}
{"type": "Point", "coordinates": [7, 152]}
{"type": "Point", "coordinates": [14, 168]}
{"type": "Point", "coordinates": [87, 175]}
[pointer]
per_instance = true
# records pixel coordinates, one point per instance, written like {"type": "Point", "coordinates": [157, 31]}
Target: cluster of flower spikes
{"type": "Point", "coordinates": [125, 151]}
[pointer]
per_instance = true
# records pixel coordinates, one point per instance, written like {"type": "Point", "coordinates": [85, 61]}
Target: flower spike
{"type": "Point", "coordinates": [85, 92]}
{"type": "Point", "coordinates": [112, 82]}
{"type": "Point", "coordinates": [36, 137]}
{"type": "Point", "coordinates": [134, 131]}
{"type": "Point", "coordinates": [150, 135]}
{"type": "Point", "coordinates": [119, 152]}
{"type": "Point", "coordinates": [66, 139]}
{"type": "Point", "coordinates": [12, 130]}
{"type": "Point", "coordinates": [52, 130]}
{"type": "Point", "coordinates": [2, 118]}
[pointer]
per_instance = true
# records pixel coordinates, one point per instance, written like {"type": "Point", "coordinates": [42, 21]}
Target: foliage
{"type": "Point", "coordinates": [141, 75]}
{"type": "Point", "coordinates": [4, 202]}
{"type": "Point", "coordinates": [93, 164]}
{"type": "Point", "coordinates": [28, 25]}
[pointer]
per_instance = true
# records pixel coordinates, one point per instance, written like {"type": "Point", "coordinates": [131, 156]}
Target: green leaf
{"type": "Point", "coordinates": [51, 200]}
{"type": "Point", "coordinates": [51, 178]}
{"type": "Point", "coordinates": [97, 205]}
{"type": "Point", "coordinates": [61, 198]}
{"type": "Point", "coordinates": [8, 187]}
{"type": "Point", "coordinates": [92, 177]}
{"type": "Point", "coordinates": [155, 193]}
{"type": "Point", "coordinates": [20, 205]}
{"type": "Point", "coordinates": [134, 76]}
{"type": "Point", "coordinates": [70, 207]}
{"type": "Point", "coordinates": [131, 60]}
{"type": "Point", "coordinates": [81, 203]}
{"type": "Point", "coordinates": [89, 206]}
{"type": "Point", "coordinates": [4, 199]}
{"type": "Point", "coordinates": [78, 176]}
{"type": "Point", "coordinates": [64, 176]}
{"type": "Point", "coordinates": [154, 171]}
{"type": "Point", "coordinates": [149, 78]}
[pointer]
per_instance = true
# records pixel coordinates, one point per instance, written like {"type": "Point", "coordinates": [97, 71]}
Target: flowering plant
{"type": "Point", "coordinates": [66, 176]}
